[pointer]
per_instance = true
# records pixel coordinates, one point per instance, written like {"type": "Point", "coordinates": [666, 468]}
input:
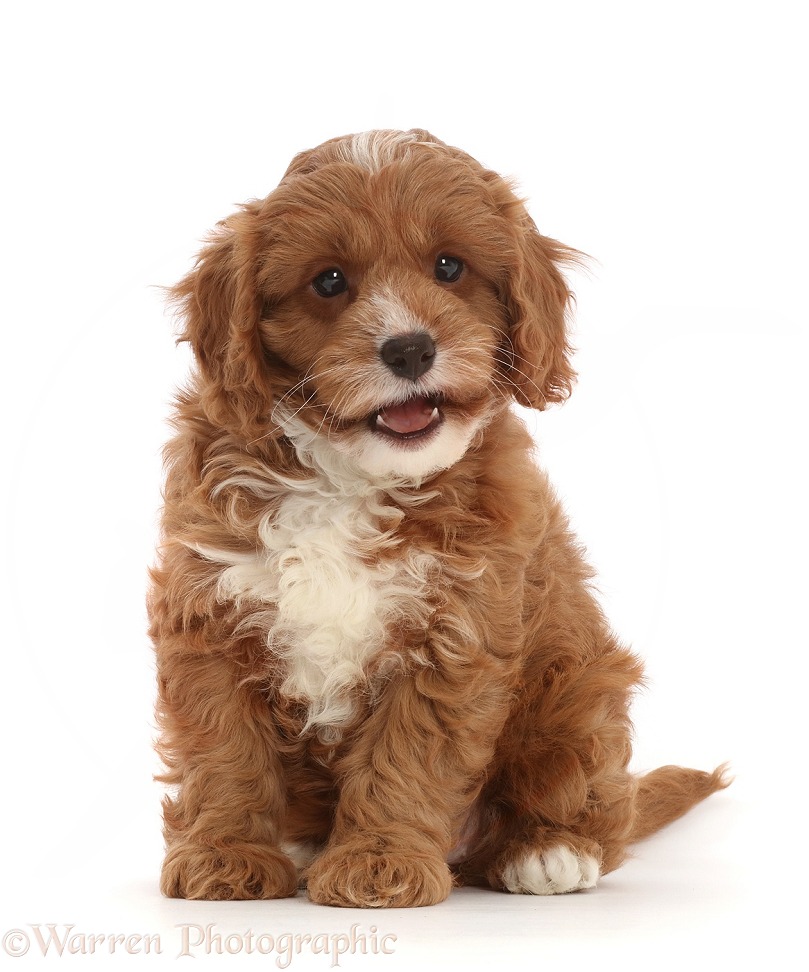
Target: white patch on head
{"type": "Point", "coordinates": [554, 870]}
{"type": "Point", "coordinates": [393, 318]}
{"type": "Point", "coordinates": [323, 595]}
{"type": "Point", "coordinates": [375, 149]}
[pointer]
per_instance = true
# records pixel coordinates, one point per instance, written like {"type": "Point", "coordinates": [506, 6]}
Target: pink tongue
{"type": "Point", "coordinates": [413, 416]}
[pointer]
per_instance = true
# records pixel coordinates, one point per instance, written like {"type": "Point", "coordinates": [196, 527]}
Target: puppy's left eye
{"type": "Point", "coordinates": [448, 269]}
{"type": "Point", "coordinates": [330, 283]}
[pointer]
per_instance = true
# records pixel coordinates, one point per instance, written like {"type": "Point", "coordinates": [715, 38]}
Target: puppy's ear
{"type": "Point", "coordinates": [537, 298]}
{"type": "Point", "coordinates": [221, 306]}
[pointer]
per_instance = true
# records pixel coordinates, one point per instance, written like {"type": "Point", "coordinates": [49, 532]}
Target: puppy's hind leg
{"type": "Point", "coordinates": [558, 811]}
{"type": "Point", "coordinates": [563, 807]}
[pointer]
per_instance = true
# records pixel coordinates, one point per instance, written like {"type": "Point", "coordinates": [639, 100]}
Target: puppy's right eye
{"type": "Point", "coordinates": [330, 283]}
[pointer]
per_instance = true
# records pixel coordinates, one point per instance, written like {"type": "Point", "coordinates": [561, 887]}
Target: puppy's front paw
{"type": "Point", "coordinates": [556, 869]}
{"type": "Point", "coordinates": [233, 873]}
{"type": "Point", "coordinates": [377, 879]}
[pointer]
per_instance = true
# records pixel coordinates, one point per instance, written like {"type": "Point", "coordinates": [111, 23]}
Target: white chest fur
{"type": "Point", "coordinates": [322, 592]}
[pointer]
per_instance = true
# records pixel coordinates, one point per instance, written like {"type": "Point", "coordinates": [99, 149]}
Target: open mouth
{"type": "Point", "coordinates": [412, 419]}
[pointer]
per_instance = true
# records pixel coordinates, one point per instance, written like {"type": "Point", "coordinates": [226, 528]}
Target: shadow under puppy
{"type": "Point", "coordinates": [381, 667]}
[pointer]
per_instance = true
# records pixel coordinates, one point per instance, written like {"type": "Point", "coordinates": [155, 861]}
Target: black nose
{"type": "Point", "coordinates": [409, 356]}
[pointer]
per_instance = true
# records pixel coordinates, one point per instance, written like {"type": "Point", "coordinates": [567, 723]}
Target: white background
{"type": "Point", "coordinates": [666, 140]}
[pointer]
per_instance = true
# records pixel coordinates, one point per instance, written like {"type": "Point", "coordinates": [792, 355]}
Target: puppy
{"type": "Point", "coordinates": [381, 667]}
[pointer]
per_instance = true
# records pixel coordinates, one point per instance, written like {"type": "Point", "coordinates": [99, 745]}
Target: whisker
{"type": "Point", "coordinates": [308, 376]}
{"type": "Point", "coordinates": [355, 385]}
{"type": "Point", "coordinates": [509, 363]}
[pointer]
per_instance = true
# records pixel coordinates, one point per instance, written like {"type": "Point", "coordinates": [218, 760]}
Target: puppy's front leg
{"type": "Point", "coordinates": [218, 743]}
{"type": "Point", "coordinates": [411, 774]}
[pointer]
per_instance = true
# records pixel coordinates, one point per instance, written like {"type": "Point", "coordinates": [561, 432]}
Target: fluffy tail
{"type": "Point", "coordinates": [668, 792]}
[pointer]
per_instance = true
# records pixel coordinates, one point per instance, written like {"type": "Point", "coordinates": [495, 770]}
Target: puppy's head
{"type": "Point", "coordinates": [389, 297]}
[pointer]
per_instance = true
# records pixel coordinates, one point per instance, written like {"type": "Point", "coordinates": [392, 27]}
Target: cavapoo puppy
{"type": "Point", "coordinates": [381, 667]}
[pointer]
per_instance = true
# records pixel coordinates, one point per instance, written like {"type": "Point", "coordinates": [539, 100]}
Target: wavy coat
{"type": "Point", "coordinates": [381, 666]}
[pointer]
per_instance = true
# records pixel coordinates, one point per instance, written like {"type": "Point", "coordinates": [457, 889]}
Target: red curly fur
{"type": "Point", "coordinates": [458, 712]}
